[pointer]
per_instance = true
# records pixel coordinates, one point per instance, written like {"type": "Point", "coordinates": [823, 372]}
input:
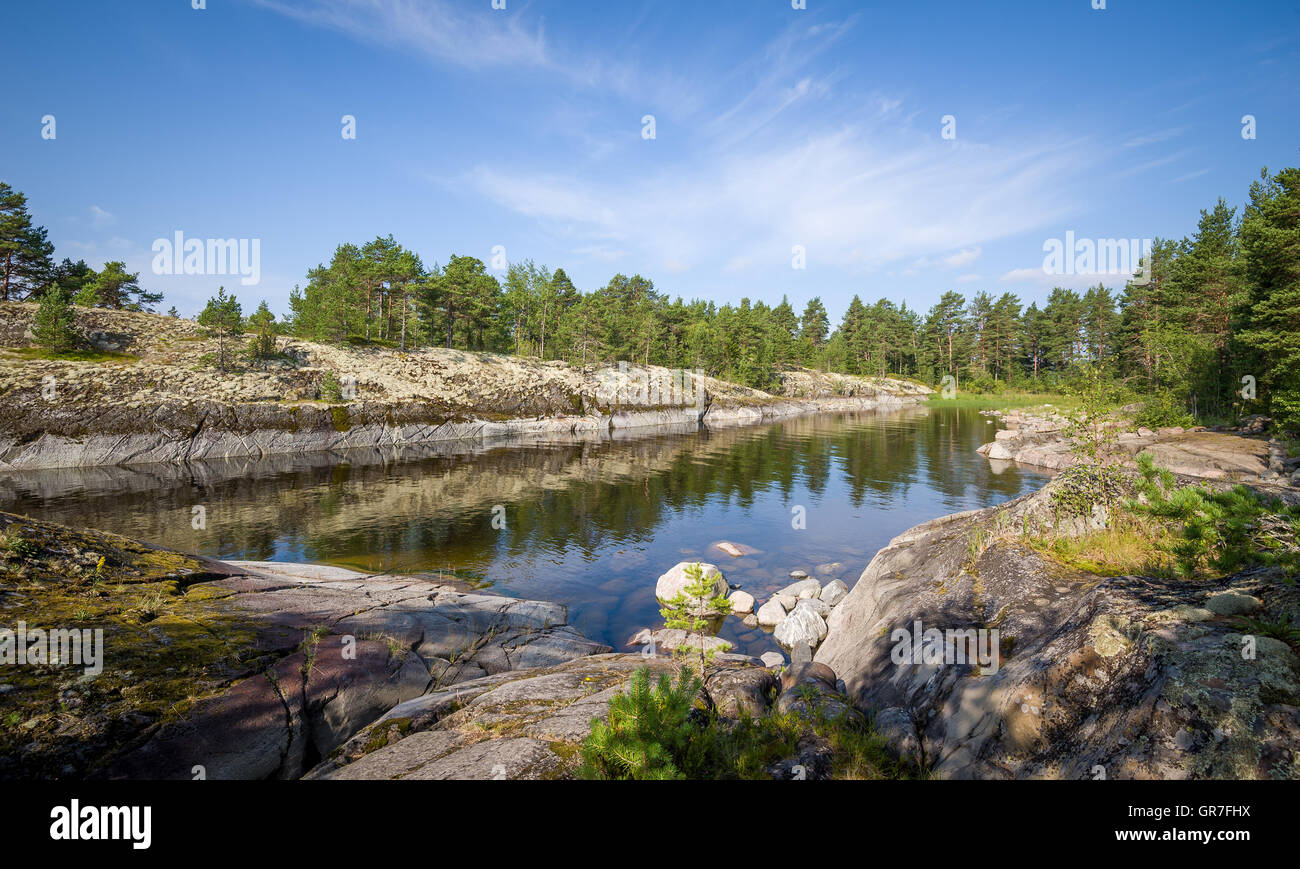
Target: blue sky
{"type": "Point", "coordinates": [522, 127]}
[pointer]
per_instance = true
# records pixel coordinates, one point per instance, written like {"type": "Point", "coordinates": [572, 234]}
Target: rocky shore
{"type": "Point", "coordinates": [149, 395]}
{"type": "Point", "coordinates": [1243, 455]}
{"type": "Point", "coordinates": [1089, 676]}
{"type": "Point", "coordinates": [260, 670]}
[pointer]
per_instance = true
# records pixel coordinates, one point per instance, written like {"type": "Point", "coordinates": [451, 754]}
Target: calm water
{"type": "Point", "coordinates": [591, 525]}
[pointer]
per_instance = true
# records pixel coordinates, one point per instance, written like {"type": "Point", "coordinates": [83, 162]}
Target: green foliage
{"type": "Point", "coordinates": [330, 390]}
{"type": "Point", "coordinates": [1092, 429]}
{"type": "Point", "coordinates": [1226, 531]}
{"type": "Point", "coordinates": [651, 732]}
{"type": "Point", "coordinates": [54, 325]}
{"type": "Point", "coordinates": [223, 319]}
{"type": "Point", "coordinates": [1279, 629]}
{"type": "Point", "coordinates": [692, 610]}
{"type": "Point", "coordinates": [18, 546]}
{"type": "Point", "coordinates": [25, 250]}
{"type": "Point", "coordinates": [660, 731]}
{"type": "Point", "coordinates": [261, 323]}
{"type": "Point", "coordinates": [1161, 408]}
{"type": "Point", "coordinates": [1076, 489]}
{"type": "Point", "coordinates": [114, 287]}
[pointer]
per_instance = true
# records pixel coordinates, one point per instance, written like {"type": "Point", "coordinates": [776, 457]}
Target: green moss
{"type": "Point", "coordinates": [163, 647]}
{"type": "Point", "coordinates": [339, 414]}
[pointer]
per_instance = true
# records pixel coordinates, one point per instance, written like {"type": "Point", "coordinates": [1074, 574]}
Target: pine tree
{"type": "Point", "coordinates": [25, 249]}
{"type": "Point", "coordinates": [54, 325]}
{"type": "Point", "coordinates": [114, 287]}
{"type": "Point", "coordinates": [222, 319]}
{"type": "Point", "coordinates": [1270, 246]}
{"type": "Point", "coordinates": [262, 324]}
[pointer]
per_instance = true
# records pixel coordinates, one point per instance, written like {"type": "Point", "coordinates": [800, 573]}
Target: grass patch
{"type": "Point", "coordinates": [1004, 400]}
{"type": "Point", "coordinates": [1128, 546]}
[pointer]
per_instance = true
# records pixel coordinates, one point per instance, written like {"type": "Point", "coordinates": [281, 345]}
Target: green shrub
{"type": "Point", "coordinates": [54, 325]}
{"type": "Point", "coordinates": [661, 732]}
{"type": "Point", "coordinates": [651, 732]}
{"type": "Point", "coordinates": [692, 610]}
{"type": "Point", "coordinates": [1227, 531]}
{"type": "Point", "coordinates": [1160, 409]}
{"type": "Point", "coordinates": [330, 390]}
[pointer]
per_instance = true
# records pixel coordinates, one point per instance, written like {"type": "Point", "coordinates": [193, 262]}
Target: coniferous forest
{"type": "Point", "coordinates": [1214, 320]}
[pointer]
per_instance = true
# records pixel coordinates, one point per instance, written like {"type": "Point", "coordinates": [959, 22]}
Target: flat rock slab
{"type": "Point", "coordinates": [346, 649]}
{"type": "Point", "coordinates": [524, 724]}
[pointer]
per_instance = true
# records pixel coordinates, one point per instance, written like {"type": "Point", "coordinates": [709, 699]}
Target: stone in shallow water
{"type": "Point", "coordinates": [742, 602]}
{"type": "Point", "coordinates": [772, 659]}
{"type": "Point", "coordinates": [802, 588]}
{"type": "Point", "coordinates": [674, 582]}
{"type": "Point", "coordinates": [771, 613]}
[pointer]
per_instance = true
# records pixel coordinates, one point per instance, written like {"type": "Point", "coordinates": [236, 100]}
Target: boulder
{"type": "Point", "coordinates": [834, 592]}
{"type": "Point", "coordinates": [675, 581]}
{"type": "Point", "coordinates": [742, 602]}
{"type": "Point", "coordinates": [802, 626]}
{"type": "Point", "coordinates": [771, 614]}
{"type": "Point", "coordinates": [1232, 603]}
{"type": "Point", "coordinates": [816, 604]}
{"type": "Point", "coordinates": [738, 691]}
{"type": "Point", "coordinates": [1101, 672]}
{"type": "Point", "coordinates": [802, 588]}
{"type": "Point", "coordinates": [772, 659]}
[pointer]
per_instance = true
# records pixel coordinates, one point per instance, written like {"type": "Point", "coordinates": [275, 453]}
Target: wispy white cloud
{"type": "Point", "coordinates": [1154, 138]}
{"type": "Point", "coordinates": [99, 218]}
{"type": "Point", "coordinates": [1190, 175]}
{"type": "Point", "coordinates": [854, 198]}
{"type": "Point", "coordinates": [439, 30]}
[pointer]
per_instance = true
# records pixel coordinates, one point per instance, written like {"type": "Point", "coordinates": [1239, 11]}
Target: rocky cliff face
{"type": "Point", "coordinates": [151, 395]}
{"type": "Point", "coordinates": [1114, 677]}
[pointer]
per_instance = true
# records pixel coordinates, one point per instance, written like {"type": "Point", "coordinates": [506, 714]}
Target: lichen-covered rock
{"type": "Point", "coordinates": [1122, 677]}
{"type": "Point", "coordinates": [237, 670]}
{"type": "Point", "coordinates": [521, 725]}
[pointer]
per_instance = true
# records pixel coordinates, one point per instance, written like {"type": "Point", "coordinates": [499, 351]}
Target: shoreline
{"type": "Point", "coordinates": [296, 429]}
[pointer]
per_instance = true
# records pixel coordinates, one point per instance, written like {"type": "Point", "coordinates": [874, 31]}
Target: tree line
{"type": "Point", "coordinates": [1212, 329]}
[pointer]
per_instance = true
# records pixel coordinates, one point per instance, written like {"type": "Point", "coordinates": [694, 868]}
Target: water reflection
{"type": "Point", "coordinates": [589, 523]}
